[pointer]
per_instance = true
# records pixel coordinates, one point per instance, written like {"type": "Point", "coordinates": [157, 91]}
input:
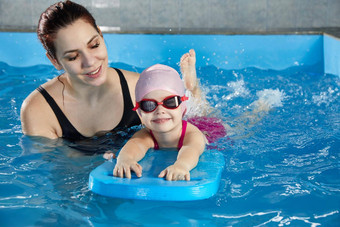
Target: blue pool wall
{"type": "Point", "coordinates": [331, 55]}
{"type": "Point", "coordinates": [224, 51]}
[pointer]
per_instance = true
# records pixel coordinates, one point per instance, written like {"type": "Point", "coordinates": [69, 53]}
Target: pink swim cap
{"type": "Point", "coordinates": [159, 77]}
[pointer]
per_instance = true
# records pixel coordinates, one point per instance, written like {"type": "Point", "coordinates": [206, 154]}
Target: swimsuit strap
{"type": "Point", "coordinates": [130, 117]}
{"type": "Point", "coordinates": [156, 146]}
{"type": "Point", "coordinates": [181, 139]}
{"type": "Point", "coordinates": [68, 130]}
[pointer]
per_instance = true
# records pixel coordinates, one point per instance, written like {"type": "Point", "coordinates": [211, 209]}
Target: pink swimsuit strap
{"type": "Point", "coordinates": [181, 139]}
{"type": "Point", "coordinates": [156, 146]}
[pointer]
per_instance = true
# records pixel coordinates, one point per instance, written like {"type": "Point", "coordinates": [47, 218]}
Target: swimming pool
{"type": "Point", "coordinates": [282, 167]}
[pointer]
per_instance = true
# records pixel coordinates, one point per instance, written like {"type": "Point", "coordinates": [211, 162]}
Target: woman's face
{"type": "Point", "coordinates": [81, 52]}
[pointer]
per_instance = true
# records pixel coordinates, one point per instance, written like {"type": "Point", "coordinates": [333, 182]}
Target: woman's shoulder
{"type": "Point", "coordinates": [36, 98]}
{"type": "Point", "coordinates": [36, 115]}
{"type": "Point", "coordinates": [130, 76]}
{"type": "Point", "coordinates": [131, 79]}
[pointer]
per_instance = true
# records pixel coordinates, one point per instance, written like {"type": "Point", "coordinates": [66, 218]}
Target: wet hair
{"type": "Point", "coordinates": [59, 16]}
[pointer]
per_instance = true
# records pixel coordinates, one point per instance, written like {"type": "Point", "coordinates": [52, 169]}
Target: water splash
{"type": "Point", "coordinates": [268, 98]}
{"type": "Point", "coordinates": [238, 90]}
{"type": "Point", "coordinates": [326, 97]}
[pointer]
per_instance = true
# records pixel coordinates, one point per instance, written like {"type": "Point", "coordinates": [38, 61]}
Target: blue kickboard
{"type": "Point", "coordinates": [204, 178]}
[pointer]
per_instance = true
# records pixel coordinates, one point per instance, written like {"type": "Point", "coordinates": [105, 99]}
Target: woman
{"type": "Point", "coordinates": [89, 97]}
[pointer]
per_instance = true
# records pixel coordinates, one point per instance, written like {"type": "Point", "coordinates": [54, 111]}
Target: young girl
{"type": "Point", "coordinates": [160, 103]}
{"type": "Point", "coordinates": [160, 98]}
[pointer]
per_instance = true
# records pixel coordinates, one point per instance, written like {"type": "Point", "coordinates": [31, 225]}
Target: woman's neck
{"type": "Point", "coordinates": [89, 93]}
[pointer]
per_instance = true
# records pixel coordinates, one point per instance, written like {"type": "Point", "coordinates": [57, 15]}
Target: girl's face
{"type": "Point", "coordinates": [161, 119]}
{"type": "Point", "coordinates": [81, 52]}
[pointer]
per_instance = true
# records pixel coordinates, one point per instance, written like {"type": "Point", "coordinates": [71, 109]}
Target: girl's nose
{"type": "Point", "coordinates": [160, 109]}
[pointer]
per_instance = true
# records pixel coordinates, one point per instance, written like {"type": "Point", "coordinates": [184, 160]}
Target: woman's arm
{"type": "Point", "coordinates": [188, 156]}
{"type": "Point", "coordinates": [132, 152]}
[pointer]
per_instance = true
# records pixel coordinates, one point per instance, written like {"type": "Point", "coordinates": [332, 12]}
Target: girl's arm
{"type": "Point", "coordinates": [132, 152]}
{"type": "Point", "coordinates": [188, 156]}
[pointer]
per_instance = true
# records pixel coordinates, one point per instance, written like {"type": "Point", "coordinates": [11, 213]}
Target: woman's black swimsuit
{"type": "Point", "coordinates": [130, 117]}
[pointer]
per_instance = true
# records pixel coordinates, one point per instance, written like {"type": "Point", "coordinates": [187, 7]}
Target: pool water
{"type": "Point", "coordinates": [282, 165]}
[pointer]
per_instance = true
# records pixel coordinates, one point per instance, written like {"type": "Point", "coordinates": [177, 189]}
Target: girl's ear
{"type": "Point", "coordinates": [54, 62]}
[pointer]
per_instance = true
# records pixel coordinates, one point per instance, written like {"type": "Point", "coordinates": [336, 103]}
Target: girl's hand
{"type": "Point", "coordinates": [124, 168]}
{"type": "Point", "coordinates": [175, 172]}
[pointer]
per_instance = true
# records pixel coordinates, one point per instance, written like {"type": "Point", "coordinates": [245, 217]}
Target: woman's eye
{"type": "Point", "coordinates": [73, 58]}
{"type": "Point", "coordinates": [95, 45]}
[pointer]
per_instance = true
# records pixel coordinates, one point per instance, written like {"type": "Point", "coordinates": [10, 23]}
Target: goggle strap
{"type": "Point", "coordinates": [184, 98]}
{"type": "Point", "coordinates": [136, 107]}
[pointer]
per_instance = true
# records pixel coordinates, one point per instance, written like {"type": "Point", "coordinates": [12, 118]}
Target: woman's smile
{"type": "Point", "coordinates": [94, 74]}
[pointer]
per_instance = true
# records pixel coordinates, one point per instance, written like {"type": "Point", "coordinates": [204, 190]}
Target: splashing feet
{"type": "Point", "coordinates": [200, 105]}
{"type": "Point", "coordinates": [188, 70]}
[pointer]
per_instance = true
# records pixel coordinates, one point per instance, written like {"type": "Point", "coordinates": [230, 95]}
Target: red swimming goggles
{"type": "Point", "coordinates": [170, 102]}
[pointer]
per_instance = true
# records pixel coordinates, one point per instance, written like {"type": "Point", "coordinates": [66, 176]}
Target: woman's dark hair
{"type": "Point", "coordinates": [59, 16]}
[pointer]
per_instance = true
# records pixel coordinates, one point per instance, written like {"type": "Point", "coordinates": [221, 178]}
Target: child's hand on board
{"type": "Point", "coordinates": [175, 172]}
{"type": "Point", "coordinates": [123, 168]}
